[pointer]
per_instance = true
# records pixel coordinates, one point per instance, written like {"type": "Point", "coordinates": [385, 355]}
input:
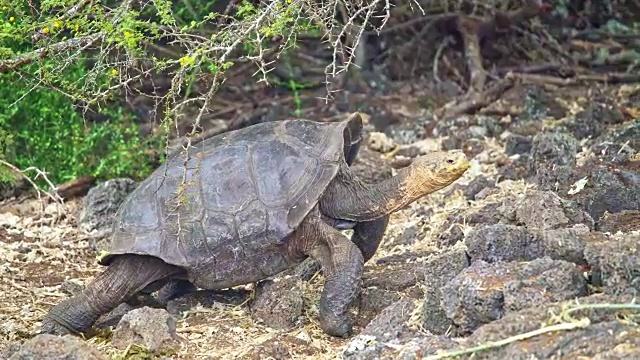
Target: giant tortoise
{"type": "Point", "coordinates": [248, 204]}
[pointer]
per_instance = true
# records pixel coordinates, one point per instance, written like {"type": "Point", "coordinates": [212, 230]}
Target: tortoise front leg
{"type": "Point", "coordinates": [127, 275]}
{"type": "Point", "coordinates": [342, 263]}
{"type": "Point", "coordinates": [367, 235]}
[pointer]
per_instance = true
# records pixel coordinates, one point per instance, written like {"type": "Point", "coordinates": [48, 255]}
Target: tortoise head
{"type": "Point", "coordinates": [435, 170]}
{"type": "Point", "coordinates": [426, 174]}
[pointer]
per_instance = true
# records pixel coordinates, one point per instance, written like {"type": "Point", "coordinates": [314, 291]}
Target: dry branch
{"type": "Point", "coordinates": [470, 31]}
{"type": "Point", "coordinates": [51, 195]}
{"type": "Point", "coordinates": [473, 32]}
{"type": "Point", "coordinates": [578, 79]}
{"type": "Point", "coordinates": [56, 48]}
{"type": "Point", "coordinates": [477, 100]}
{"type": "Point", "coordinates": [76, 187]}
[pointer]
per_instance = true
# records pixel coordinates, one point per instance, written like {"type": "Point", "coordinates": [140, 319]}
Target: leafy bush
{"type": "Point", "coordinates": [43, 128]}
{"type": "Point", "coordinates": [95, 50]}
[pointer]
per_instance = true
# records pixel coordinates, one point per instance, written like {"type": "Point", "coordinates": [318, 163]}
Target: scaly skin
{"type": "Point", "coordinates": [367, 235]}
{"type": "Point", "coordinates": [369, 205]}
{"type": "Point", "coordinates": [341, 263]}
{"type": "Point", "coordinates": [348, 198]}
{"type": "Point", "coordinates": [126, 276]}
{"type": "Point", "coordinates": [174, 288]}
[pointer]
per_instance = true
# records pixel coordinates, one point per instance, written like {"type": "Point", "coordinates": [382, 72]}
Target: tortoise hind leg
{"type": "Point", "coordinates": [125, 276]}
{"type": "Point", "coordinates": [342, 263]}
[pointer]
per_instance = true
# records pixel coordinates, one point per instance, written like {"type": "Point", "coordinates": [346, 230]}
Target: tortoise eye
{"type": "Point", "coordinates": [449, 161]}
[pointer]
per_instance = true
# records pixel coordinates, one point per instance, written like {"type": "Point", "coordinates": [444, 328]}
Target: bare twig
{"type": "Point", "coordinates": [432, 19]}
{"type": "Point", "coordinates": [333, 69]}
{"type": "Point", "coordinates": [475, 101]}
{"type": "Point", "coordinates": [564, 322]}
{"type": "Point", "coordinates": [582, 323]}
{"type": "Point", "coordinates": [51, 194]}
{"type": "Point", "coordinates": [473, 31]}
{"type": "Point", "coordinates": [444, 43]}
{"type": "Point", "coordinates": [578, 79]}
{"type": "Point", "coordinates": [76, 187]}
{"type": "Point", "coordinates": [470, 31]}
{"type": "Point", "coordinates": [80, 43]}
{"type": "Point", "coordinates": [28, 58]}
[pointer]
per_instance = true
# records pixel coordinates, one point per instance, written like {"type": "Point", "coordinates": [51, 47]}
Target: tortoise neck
{"type": "Point", "coordinates": [349, 198]}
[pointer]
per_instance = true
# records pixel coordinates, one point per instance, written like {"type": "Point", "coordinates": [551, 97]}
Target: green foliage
{"type": "Point", "coordinates": [285, 23]}
{"type": "Point", "coordinates": [292, 82]}
{"type": "Point", "coordinates": [294, 86]}
{"type": "Point", "coordinates": [246, 10]}
{"type": "Point", "coordinates": [560, 8]}
{"type": "Point", "coordinates": [43, 128]}
{"type": "Point", "coordinates": [39, 123]}
{"type": "Point", "coordinates": [12, 27]}
{"type": "Point", "coordinates": [163, 8]}
{"type": "Point", "coordinates": [6, 141]}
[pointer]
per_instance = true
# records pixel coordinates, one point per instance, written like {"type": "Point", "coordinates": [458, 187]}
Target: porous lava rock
{"type": "Point", "coordinates": [154, 329]}
{"type": "Point", "coordinates": [47, 347]}
{"type": "Point", "coordinates": [610, 184]}
{"type": "Point", "coordinates": [100, 205]}
{"type": "Point", "coordinates": [440, 269]}
{"type": "Point", "coordinates": [371, 301]}
{"type": "Point", "coordinates": [499, 242]}
{"type": "Point", "coordinates": [553, 156]}
{"type": "Point", "coordinates": [624, 221]}
{"type": "Point", "coordinates": [615, 262]}
{"type": "Point", "coordinates": [391, 322]}
{"type": "Point", "coordinates": [484, 292]}
{"type": "Point", "coordinates": [278, 304]}
{"type": "Point", "coordinates": [602, 337]}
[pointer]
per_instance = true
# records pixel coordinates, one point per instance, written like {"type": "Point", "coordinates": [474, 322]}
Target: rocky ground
{"type": "Point", "coordinates": [534, 253]}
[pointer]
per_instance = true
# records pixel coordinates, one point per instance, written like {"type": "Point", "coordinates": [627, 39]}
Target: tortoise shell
{"type": "Point", "coordinates": [225, 213]}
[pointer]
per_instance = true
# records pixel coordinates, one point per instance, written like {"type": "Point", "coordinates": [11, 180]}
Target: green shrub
{"type": "Point", "coordinates": [42, 127]}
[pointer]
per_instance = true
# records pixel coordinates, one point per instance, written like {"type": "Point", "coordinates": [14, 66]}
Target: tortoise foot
{"type": "Point", "coordinates": [339, 326]}
{"type": "Point", "coordinates": [51, 326]}
{"type": "Point", "coordinates": [71, 316]}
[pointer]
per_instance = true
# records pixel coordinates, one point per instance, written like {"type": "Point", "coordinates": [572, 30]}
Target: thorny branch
{"type": "Point", "coordinates": [204, 46]}
{"type": "Point", "coordinates": [216, 42]}
{"type": "Point", "coordinates": [333, 69]}
{"type": "Point", "coordinates": [79, 43]}
{"type": "Point", "coordinates": [51, 194]}
{"type": "Point", "coordinates": [212, 90]}
{"type": "Point", "coordinates": [472, 32]}
{"type": "Point", "coordinates": [41, 34]}
{"type": "Point", "coordinates": [57, 48]}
